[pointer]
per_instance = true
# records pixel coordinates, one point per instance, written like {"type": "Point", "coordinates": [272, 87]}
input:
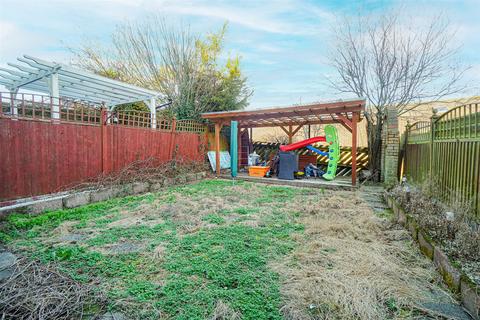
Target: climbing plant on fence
{"type": "Point", "coordinates": [447, 149]}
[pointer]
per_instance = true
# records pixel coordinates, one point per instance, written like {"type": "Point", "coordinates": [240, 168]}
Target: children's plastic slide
{"type": "Point", "coordinates": [333, 154]}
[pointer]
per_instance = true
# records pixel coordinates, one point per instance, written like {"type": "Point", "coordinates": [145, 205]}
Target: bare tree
{"type": "Point", "coordinates": [393, 63]}
{"type": "Point", "coordinates": [313, 130]}
{"type": "Point", "coordinates": [172, 60]}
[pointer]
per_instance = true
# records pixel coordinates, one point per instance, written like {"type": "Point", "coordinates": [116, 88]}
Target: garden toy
{"type": "Point", "coordinates": [331, 137]}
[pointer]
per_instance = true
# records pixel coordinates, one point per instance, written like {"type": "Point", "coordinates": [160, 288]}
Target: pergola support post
{"type": "Point", "coordinates": [171, 149]}
{"type": "Point", "coordinates": [54, 95]}
{"type": "Point", "coordinates": [241, 131]}
{"type": "Point", "coordinates": [13, 105]}
{"type": "Point", "coordinates": [244, 148]}
{"type": "Point", "coordinates": [250, 143]}
{"type": "Point", "coordinates": [291, 132]}
{"type": "Point", "coordinates": [354, 148]}
{"type": "Point", "coordinates": [218, 127]}
{"type": "Point", "coordinates": [153, 113]}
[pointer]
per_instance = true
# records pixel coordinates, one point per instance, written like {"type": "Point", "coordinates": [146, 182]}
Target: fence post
{"type": "Point", "coordinates": [172, 138]}
{"type": "Point", "coordinates": [104, 133]}
{"type": "Point", "coordinates": [402, 159]}
{"type": "Point", "coordinates": [433, 120]}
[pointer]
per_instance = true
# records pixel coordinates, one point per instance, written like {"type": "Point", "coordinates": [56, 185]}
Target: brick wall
{"type": "Point", "coordinates": [392, 145]}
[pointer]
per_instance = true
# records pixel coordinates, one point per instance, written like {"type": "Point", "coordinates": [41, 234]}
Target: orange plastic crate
{"type": "Point", "coordinates": [258, 171]}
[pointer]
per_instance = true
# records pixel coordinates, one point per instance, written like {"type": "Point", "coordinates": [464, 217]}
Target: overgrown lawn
{"type": "Point", "coordinates": [218, 249]}
{"type": "Point", "coordinates": [184, 253]}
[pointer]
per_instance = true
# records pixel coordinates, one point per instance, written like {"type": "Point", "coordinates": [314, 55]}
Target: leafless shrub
{"type": "Point", "coordinates": [459, 235]}
{"type": "Point", "coordinates": [143, 170]}
{"type": "Point", "coordinates": [39, 291]}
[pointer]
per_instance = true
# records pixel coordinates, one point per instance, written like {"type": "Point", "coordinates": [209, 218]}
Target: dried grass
{"type": "Point", "coordinates": [223, 311]}
{"type": "Point", "coordinates": [348, 266]}
{"type": "Point", "coordinates": [181, 211]}
{"type": "Point", "coordinates": [38, 291]}
{"type": "Point", "coordinates": [159, 252]}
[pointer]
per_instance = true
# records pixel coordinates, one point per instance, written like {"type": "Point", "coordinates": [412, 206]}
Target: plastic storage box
{"type": "Point", "coordinates": [258, 171]}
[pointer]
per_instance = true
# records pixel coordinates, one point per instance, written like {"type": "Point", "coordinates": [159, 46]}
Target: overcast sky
{"type": "Point", "coordinates": [282, 44]}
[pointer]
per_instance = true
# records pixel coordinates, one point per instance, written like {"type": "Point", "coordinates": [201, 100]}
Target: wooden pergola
{"type": "Point", "coordinates": [291, 119]}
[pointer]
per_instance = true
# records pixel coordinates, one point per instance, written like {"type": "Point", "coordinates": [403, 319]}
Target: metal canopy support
{"type": "Point", "coordinates": [60, 80]}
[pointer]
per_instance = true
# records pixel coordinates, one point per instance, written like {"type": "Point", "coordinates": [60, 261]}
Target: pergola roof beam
{"type": "Point", "coordinates": [73, 93]}
{"type": "Point", "coordinates": [13, 72]}
{"type": "Point", "coordinates": [11, 79]}
{"type": "Point", "coordinates": [70, 95]}
{"type": "Point", "coordinates": [269, 125]}
{"type": "Point", "coordinates": [325, 108]}
{"type": "Point", "coordinates": [34, 77]}
{"type": "Point", "coordinates": [23, 68]}
{"type": "Point", "coordinates": [71, 81]}
{"type": "Point", "coordinates": [67, 71]}
{"type": "Point", "coordinates": [99, 93]}
{"type": "Point", "coordinates": [34, 74]}
{"type": "Point", "coordinates": [287, 115]}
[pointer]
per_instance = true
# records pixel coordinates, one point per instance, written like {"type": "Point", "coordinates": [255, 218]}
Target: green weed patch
{"type": "Point", "coordinates": [173, 274]}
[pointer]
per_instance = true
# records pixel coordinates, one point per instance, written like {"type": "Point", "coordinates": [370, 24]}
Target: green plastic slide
{"type": "Point", "coordinates": [331, 136]}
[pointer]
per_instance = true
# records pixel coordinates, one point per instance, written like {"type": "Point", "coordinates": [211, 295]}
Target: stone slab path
{"type": "Point", "coordinates": [444, 306]}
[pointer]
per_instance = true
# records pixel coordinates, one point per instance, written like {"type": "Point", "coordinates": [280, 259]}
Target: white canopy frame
{"type": "Point", "coordinates": [60, 80]}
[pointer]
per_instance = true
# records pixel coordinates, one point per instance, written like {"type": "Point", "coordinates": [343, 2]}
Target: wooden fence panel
{"type": "Point", "coordinates": [40, 157]}
{"type": "Point", "coordinates": [190, 146]}
{"type": "Point", "coordinates": [450, 154]}
{"type": "Point", "coordinates": [127, 144]}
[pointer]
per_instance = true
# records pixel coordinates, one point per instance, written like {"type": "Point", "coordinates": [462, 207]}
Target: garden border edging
{"type": "Point", "coordinates": [84, 197]}
{"type": "Point", "coordinates": [454, 278]}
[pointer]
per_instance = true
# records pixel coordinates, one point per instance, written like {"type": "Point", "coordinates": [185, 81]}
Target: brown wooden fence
{"type": "Point", "coordinates": [40, 155]}
{"type": "Point", "coordinates": [264, 149]}
{"type": "Point", "coordinates": [447, 149]}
